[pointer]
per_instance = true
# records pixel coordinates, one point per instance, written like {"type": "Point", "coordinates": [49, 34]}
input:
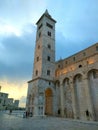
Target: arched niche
{"type": "Point", "coordinates": [93, 89]}
{"type": "Point", "coordinates": [80, 96]}
{"type": "Point", "coordinates": [57, 97]}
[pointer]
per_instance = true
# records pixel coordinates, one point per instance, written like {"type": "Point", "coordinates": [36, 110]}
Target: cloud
{"type": "Point", "coordinates": [16, 90]}
{"type": "Point", "coordinates": [66, 46]}
{"type": "Point", "coordinates": [16, 54]}
{"type": "Point", "coordinates": [22, 102]}
{"type": "Point", "coordinates": [7, 29]}
{"type": "Point", "coordinates": [21, 11]}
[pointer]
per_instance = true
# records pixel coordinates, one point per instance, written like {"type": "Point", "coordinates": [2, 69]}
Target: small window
{"type": "Point", "coordinates": [38, 46]}
{"type": "Point", "coordinates": [38, 58]}
{"type": "Point", "coordinates": [58, 66]}
{"type": "Point", "coordinates": [49, 83]}
{"type": "Point", "coordinates": [36, 72]}
{"type": "Point", "coordinates": [80, 66]}
{"type": "Point", "coordinates": [96, 48]}
{"type": "Point", "coordinates": [40, 26]}
{"type": "Point", "coordinates": [49, 46]}
{"type": "Point", "coordinates": [39, 34]}
{"type": "Point", "coordinates": [65, 62]}
{"type": "Point", "coordinates": [48, 58]}
{"type": "Point", "coordinates": [49, 33]}
{"type": "Point", "coordinates": [84, 54]}
{"type": "Point", "coordinates": [49, 25]}
{"type": "Point", "coordinates": [74, 58]}
{"type": "Point", "coordinates": [48, 72]}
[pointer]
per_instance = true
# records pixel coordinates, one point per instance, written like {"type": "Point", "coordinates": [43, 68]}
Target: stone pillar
{"type": "Point", "coordinates": [62, 99]}
{"type": "Point", "coordinates": [43, 110]}
{"type": "Point", "coordinates": [73, 99]}
{"type": "Point", "coordinates": [44, 104]}
{"type": "Point", "coordinates": [88, 98]}
{"type": "Point", "coordinates": [36, 106]}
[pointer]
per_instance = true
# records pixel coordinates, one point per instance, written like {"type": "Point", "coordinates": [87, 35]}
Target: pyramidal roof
{"type": "Point", "coordinates": [47, 15]}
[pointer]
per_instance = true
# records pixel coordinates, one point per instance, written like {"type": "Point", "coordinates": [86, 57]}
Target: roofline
{"type": "Point", "coordinates": [76, 53]}
{"type": "Point", "coordinates": [39, 78]}
{"type": "Point", "coordinates": [47, 17]}
{"type": "Point", "coordinates": [4, 93]}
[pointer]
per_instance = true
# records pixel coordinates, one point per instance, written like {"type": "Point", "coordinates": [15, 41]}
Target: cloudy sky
{"type": "Point", "coordinates": [76, 29]}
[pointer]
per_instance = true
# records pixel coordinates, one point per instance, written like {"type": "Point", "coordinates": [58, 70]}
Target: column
{"type": "Point", "coordinates": [73, 99]}
{"type": "Point", "coordinates": [88, 97]}
{"type": "Point", "coordinates": [62, 99]}
{"type": "Point", "coordinates": [36, 106]}
{"type": "Point", "coordinates": [44, 104]}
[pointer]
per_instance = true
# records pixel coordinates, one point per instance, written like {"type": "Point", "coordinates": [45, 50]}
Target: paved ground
{"type": "Point", "coordinates": [12, 122]}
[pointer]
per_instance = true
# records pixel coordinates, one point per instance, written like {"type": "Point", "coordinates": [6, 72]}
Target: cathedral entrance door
{"type": "Point", "coordinates": [48, 101]}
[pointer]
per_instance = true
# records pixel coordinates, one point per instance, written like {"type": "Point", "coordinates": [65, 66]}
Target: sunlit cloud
{"type": "Point", "coordinates": [8, 29]}
{"type": "Point", "coordinates": [11, 29]}
{"type": "Point", "coordinates": [15, 90]}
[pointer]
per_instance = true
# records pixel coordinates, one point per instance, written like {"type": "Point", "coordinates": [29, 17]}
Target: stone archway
{"type": "Point", "coordinates": [48, 102]}
{"type": "Point", "coordinates": [93, 87]}
{"type": "Point", "coordinates": [80, 96]}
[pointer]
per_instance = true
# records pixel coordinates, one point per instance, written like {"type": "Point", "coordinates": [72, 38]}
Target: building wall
{"type": "Point", "coordinates": [85, 57]}
{"type": "Point", "coordinates": [7, 103]}
{"type": "Point", "coordinates": [3, 98]}
{"type": "Point", "coordinates": [16, 103]}
{"type": "Point", "coordinates": [82, 77]}
{"type": "Point", "coordinates": [71, 89]}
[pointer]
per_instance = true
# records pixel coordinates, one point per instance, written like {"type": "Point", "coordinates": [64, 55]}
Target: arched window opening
{"type": "Point", "coordinates": [36, 72]}
{"type": "Point", "coordinates": [80, 66]}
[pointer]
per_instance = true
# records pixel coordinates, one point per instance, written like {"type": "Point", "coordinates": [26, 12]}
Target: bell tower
{"type": "Point", "coordinates": [44, 60]}
{"type": "Point", "coordinates": [43, 68]}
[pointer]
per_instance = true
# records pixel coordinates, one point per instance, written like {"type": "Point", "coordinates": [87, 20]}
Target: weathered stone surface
{"type": "Point", "coordinates": [73, 81]}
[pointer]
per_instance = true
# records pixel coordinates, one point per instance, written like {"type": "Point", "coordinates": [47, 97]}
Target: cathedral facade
{"type": "Point", "coordinates": [66, 88]}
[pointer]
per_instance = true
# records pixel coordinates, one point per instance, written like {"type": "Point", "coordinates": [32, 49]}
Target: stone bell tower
{"type": "Point", "coordinates": [43, 68]}
{"type": "Point", "coordinates": [45, 48]}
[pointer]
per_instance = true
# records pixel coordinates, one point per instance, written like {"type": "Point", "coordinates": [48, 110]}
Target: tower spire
{"type": "Point", "coordinates": [43, 68]}
{"type": "Point", "coordinates": [47, 13]}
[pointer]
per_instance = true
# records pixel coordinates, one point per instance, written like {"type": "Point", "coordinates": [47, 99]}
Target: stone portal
{"type": "Point", "coordinates": [48, 102]}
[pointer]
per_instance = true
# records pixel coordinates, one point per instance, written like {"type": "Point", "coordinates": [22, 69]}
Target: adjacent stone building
{"type": "Point", "coordinates": [3, 99]}
{"type": "Point", "coordinates": [7, 103]}
{"type": "Point", "coordinates": [66, 88]}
